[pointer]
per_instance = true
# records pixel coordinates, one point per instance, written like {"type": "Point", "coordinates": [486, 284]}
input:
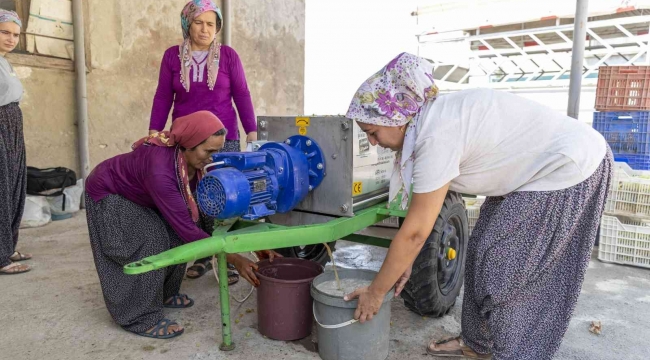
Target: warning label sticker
{"type": "Point", "coordinates": [364, 153]}
{"type": "Point", "coordinates": [364, 146]}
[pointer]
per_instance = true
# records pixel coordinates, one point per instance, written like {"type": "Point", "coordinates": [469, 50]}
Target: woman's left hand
{"type": "Point", "coordinates": [369, 303]}
{"type": "Point", "coordinates": [246, 268]}
{"type": "Point", "coordinates": [252, 136]}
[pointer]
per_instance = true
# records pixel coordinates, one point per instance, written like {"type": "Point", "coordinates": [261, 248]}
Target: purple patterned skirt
{"type": "Point", "coordinates": [526, 262]}
{"type": "Point", "coordinates": [13, 179]}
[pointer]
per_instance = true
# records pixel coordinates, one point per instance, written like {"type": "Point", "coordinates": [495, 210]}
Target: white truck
{"type": "Point", "coordinates": [524, 46]}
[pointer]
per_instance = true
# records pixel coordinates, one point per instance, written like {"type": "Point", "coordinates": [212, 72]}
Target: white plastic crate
{"type": "Point", "coordinates": [477, 201]}
{"type": "Point", "coordinates": [624, 241]}
{"type": "Point", "coordinates": [472, 215]}
{"type": "Point", "coordinates": [629, 193]}
{"type": "Point", "coordinates": [473, 206]}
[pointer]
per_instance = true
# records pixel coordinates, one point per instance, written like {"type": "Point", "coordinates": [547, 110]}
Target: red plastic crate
{"type": "Point", "coordinates": [623, 88]}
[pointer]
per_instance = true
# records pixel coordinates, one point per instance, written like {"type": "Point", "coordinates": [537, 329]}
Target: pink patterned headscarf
{"type": "Point", "coordinates": [190, 12]}
{"type": "Point", "coordinates": [10, 16]}
{"type": "Point", "coordinates": [393, 97]}
{"type": "Point", "coordinates": [186, 131]}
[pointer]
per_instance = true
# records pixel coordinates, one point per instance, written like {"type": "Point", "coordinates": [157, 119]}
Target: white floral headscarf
{"type": "Point", "coordinates": [10, 16]}
{"type": "Point", "coordinates": [393, 97]}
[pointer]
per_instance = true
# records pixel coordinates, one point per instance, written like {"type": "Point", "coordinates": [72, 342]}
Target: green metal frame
{"type": "Point", "coordinates": [237, 236]}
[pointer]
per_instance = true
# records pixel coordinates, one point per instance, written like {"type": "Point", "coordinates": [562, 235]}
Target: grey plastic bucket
{"type": "Point", "coordinates": [339, 336]}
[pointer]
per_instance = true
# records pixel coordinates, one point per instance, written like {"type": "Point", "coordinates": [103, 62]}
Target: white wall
{"type": "Point", "coordinates": [346, 42]}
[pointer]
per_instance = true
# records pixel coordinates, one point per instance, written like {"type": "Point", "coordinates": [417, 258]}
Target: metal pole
{"type": "Point", "coordinates": [224, 300]}
{"type": "Point", "coordinates": [577, 58]}
{"type": "Point", "coordinates": [227, 9]}
{"type": "Point", "coordinates": [82, 98]}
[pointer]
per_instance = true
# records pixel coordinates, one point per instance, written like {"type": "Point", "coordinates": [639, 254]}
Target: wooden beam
{"type": "Point", "coordinates": [37, 61]}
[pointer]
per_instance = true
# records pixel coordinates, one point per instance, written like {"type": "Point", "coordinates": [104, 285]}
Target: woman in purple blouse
{"type": "Point", "coordinates": [140, 204]}
{"type": "Point", "coordinates": [202, 74]}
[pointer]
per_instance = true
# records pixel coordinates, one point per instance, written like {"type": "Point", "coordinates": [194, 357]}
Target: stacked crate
{"type": "Point", "coordinates": [625, 227]}
{"type": "Point", "coordinates": [623, 109]}
{"type": "Point", "coordinates": [623, 118]}
{"type": "Point", "coordinates": [473, 207]}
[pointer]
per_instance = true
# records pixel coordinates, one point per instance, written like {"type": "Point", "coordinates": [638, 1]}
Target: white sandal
{"type": "Point", "coordinates": [464, 351]}
{"type": "Point", "coordinates": [11, 269]}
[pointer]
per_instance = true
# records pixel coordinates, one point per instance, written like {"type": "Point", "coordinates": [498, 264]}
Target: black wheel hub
{"type": "Point", "coordinates": [448, 264]}
{"type": "Point", "coordinates": [308, 252]}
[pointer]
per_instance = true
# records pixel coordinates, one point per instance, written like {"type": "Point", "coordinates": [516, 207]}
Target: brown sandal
{"type": "Point", "coordinates": [464, 351]}
{"type": "Point", "coordinates": [17, 256]}
{"type": "Point", "coordinates": [14, 268]}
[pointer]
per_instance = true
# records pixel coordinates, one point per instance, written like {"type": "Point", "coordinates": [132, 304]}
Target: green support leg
{"type": "Point", "coordinates": [224, 300]}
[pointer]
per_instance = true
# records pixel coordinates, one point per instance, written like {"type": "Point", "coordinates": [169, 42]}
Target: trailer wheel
{"type": "Point", "coordinates": [438, 275]}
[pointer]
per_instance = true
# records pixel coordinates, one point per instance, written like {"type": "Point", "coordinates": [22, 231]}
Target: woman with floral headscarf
{"type": "Point", "coordinates": [202, 74]}
{"type": "Point", "coordinates": [546, 177]}
{"type": "Point", "coordinates": [13, 169]}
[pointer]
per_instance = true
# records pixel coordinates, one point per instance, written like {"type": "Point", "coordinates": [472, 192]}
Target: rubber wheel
{"type": "Point", "coordinates": [316, 253]}
{"type": "Point", "coordinates": [436, 281]}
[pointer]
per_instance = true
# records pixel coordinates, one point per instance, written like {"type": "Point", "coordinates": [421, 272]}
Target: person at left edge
{"type": "Point", "coordinates": [13, 167]}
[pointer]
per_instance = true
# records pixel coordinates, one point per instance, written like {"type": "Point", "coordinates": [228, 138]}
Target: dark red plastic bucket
{"type": "Point", "coordinates": [284, 303]}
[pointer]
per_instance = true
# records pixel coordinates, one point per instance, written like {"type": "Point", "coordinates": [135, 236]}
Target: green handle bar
{"type": "Point", "coordinates": [241, 236]}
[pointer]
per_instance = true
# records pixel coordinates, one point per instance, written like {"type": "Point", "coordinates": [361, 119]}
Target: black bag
{"type": "Point", "coordinates": [49, 182]}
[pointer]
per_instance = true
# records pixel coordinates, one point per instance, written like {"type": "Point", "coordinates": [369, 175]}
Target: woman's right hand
{"type": "Point", "coordinates": [151, 132]}
{"type": "Point", "coordinates": [268, 254]}
{"type": "Point", "coordinates": [245, 267]}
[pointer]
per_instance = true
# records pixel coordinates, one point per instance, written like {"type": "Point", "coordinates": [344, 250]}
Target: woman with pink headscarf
{"type": "Point", "coordinates": [546, 178]}
{"type": "Point", "coordinates": [13, 168]}
{"type": "Point", "coordinates": [202, 74]}
{"type": "Point", "coordinates": [140, 204]}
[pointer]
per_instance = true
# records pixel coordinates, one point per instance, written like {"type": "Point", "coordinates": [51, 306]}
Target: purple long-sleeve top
{"type": "Point", "coordinates": [230, 86]}
{"type": "Point", "coordinates": [147, 176]}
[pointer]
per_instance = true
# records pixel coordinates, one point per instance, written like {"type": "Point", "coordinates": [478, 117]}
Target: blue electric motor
{"type": "Point", "coordinates": [273, 179]}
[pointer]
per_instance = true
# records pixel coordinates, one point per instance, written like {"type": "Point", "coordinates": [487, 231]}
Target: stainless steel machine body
{"type": "Point", "coordinates": [357, 174]}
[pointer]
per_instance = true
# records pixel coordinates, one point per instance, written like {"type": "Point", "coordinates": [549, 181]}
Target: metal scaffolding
{"type": "Point", "coordinates": [539, 57]}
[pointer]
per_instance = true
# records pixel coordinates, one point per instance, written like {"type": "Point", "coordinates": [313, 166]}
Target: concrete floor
{"type": "Point", "coordinates": [56, 311]}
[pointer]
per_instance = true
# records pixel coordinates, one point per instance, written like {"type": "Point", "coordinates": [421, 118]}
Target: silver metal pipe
{"type": "Point", "coordinates": [81, 95]}
{"type": "Point", "coordinates": [577, 57]}
{"type": "Point", "coordinates": [369, 201]}
{"type": "Point", "coordinates": [227, 10]}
